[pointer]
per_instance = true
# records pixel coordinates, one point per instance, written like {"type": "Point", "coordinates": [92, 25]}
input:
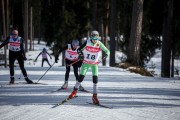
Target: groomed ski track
{"type": "Point", "coordinates": [132, 96]}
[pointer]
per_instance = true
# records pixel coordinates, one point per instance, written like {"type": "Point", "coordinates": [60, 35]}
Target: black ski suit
{"type": "Point", "coordinates": [16, 51]}
{"type": "Point", "coordinates": [68, 62]}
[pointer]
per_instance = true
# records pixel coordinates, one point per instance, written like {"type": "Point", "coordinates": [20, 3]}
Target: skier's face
{"type": "Point", "coordinates": [94, 38]}
{"type": "Point", "coordinates": [14, 33]}
{"type": "Point", "coordinates": [74, 46]}
{"type": "Point", "coordinates": [94, 41]}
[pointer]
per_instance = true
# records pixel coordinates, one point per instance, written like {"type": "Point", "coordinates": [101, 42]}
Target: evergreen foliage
{"type": "Point", "coordinates": [58, 22]}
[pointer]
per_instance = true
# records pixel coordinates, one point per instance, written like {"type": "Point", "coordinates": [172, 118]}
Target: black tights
{"type": "Point", "coordinates": [75, 67]}
{"type": "Point", "coordinates": [95, 78]}
{"type": "Point", "coordinates": [12, 57]}
{"type": "Point", "coordinates": [45, 59]}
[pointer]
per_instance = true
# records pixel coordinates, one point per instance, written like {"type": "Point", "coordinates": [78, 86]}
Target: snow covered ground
{"type": "Point", "coordinates": [132, 96]}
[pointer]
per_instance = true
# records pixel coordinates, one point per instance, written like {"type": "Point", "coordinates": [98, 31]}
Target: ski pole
{"type": "Point", "coordinates": [45, 72]}
{"type": "Point", "coordinates": [73, 62]}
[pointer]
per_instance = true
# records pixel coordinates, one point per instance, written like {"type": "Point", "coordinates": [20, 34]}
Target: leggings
{"type": "Point", "coordinates": [45, 59]}
{"type": "Point", "coordinates": [75, 67]}
{"type": "Point", "coordinates": [12, 57]}
{"type": "Point", "coordinates": [84, 70]}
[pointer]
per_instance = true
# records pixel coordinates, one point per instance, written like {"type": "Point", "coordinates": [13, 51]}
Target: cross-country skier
{"type": "Point", "coordinates": [16, 51]}
{"type": "Point", "coordinates": [90, 52]}
{"type": "Point", "coordinates": [44, 57]}
{"type": "Point", "coordinates": [71, 56]}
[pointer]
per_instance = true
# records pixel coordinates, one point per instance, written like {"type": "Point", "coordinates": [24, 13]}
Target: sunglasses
{"type": "Point", "coordinates": [14, 34]}
{"type": "Point", "coordinates": [94, 35]}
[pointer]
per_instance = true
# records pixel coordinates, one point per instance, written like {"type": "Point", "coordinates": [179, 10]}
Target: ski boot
{"type": "Point", "coordinates": [28, 80]}
{"type": "Point", "coordinates": [81, 88]}
{"type": "Point", "coordinates": [73, 94]}
{"type": "Point", "coordinates": [12, 80]}
{"type": "Point", "coordinates": [95, 99]}
{"type": "Point", "coordinates": [65, 85]}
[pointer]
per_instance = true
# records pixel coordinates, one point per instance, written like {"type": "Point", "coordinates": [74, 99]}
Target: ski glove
{"type": "Point", "coordinates": [24, 58]}
{"type": "Point", "coordinates": [105, 56]}
{"type": "Point", "coordinates": [81, 56]}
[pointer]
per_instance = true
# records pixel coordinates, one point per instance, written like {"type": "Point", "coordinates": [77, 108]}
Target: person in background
{"type": "Point", "coordinates": [89, 52]}
{"type": "Point", "coordinates": [71, 56]}
{"type": "Point", "coordinates": [16, 52]}
{"type": "Point", "coordinates": [44, 54]}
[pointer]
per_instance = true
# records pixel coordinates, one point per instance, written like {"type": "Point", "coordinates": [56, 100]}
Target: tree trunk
{"type": "Point", "coordinates": [4, 31]}
{"type": "Point", "coordinates": [63, 53]}
{"type": "Point", "coordinates": [7, 18]}
{"type": "Point", "coordinates": [94, 13]}
{"type": "Point", "coordinates": [102, 37]}
{"type": "Point", "coordinates": [26, 24]}
{"type": "Point", "coordinates": [167, 37]}
{"type": "Point", "coordinates": [39, 28]}
{"type": "Point", "coordinates": [135, 35]}
{"type": "Point", "coordinates": [31, 26]}
{"type": "Point", "coordinates": [172, 65]}
{"type": "Point", "coordinates": [88, 22]}
{"type": "Point", "coordinates": [105, 28]}
{"type": "Point", "coordinates": [112, 32]}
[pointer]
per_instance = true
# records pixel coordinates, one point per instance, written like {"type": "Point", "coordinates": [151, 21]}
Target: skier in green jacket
{"type": "Point", "coordinates": [89, 52]}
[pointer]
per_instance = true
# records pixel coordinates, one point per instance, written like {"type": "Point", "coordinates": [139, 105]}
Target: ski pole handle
{"type": "Point", "coordinates": [73, 63]}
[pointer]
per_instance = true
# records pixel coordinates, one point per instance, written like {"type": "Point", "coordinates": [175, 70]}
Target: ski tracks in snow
{"type": "Point", "coordinates": [133, 97]}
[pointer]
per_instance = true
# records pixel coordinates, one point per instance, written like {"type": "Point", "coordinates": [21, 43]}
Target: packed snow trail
{"type": "Point", "coordinates": [132, 96]}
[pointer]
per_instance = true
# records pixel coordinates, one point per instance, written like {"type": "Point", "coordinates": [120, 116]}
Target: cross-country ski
{"type": "Point", "coordinates": [59, 89]}
{"type": "Point", "coordinates": [63, 101]}
{"type": "Point", "coordinates": [99, 105]}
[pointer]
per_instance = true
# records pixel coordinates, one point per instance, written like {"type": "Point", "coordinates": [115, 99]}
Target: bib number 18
{"type": "Point", "coordinates": [92, 57]}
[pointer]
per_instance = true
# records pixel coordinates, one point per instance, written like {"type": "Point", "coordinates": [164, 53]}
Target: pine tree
{"type": "Point", "coordinates": [135, 36]}
{"type": "Point", "coordinates": [167, 37]}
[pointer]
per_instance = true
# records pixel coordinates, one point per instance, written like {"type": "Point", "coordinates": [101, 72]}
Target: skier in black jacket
{"type": "Point", "coordinates": [16, 51]}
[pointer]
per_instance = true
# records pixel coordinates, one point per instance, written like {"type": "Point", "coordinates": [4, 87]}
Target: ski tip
{"type": "Point", "coordinates": [40, 83]}
{"type": "Point", "coordinates": [63, 89]}
{"type": "Point", "coordinates": [55, 106]}
{"type": "Point", "coordinates": [84, 91]}
{"type": "Point", "coordinates": [64, 101]}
